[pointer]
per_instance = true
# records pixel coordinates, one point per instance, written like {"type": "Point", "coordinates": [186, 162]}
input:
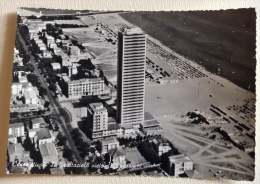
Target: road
{"type": "Point", "coordinates": [56, 106]}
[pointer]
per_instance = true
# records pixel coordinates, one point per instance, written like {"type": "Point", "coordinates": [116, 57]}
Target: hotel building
{"type": "Point", "coordinates": [82, 87]}
{"type": "Point", "coordinates": [131, 76]}
{"type": "Point", "coordinates": [98, 119]}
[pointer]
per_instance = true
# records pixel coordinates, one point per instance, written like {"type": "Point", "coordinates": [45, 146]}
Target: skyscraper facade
{"type": "Point", "coordinates": [131, 76]}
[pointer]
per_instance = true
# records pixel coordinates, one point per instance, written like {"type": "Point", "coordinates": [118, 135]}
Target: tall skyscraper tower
{"type": "Point", "coordinates": [131, 76]}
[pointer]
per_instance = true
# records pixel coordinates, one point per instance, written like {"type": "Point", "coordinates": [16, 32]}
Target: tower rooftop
{"type": "Point", "coordinates": [133, 31]}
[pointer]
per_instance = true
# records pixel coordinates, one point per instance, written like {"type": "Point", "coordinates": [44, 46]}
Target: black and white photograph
{"type": "Point", "coordinates": [120, 93]}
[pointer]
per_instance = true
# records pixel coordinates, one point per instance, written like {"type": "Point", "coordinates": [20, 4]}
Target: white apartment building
{"type": "Point", "coordinates": [131, 76]}
{"type": "Point", "coordinates": [179, 164]}
{"type": "Point", "coordinates": [16, 129]}
{"type": "Point", "coordinates": [98, 118]}
{"type": "Point", "coordinates": [86, 87]}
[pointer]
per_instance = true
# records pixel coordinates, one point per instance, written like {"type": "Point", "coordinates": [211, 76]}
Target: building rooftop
{"type": "Point", "coordinates": [97, 107]}
{"type": "Point", "coordinates": [151, 123]}
{"type": "Point", "coordinates": [74, 48]}
{"type": "Point", "coordinates": [153, 128]}
{"type": "Point", "coordinates": [38, 120]}
{"type": "Point", "coordinates": [48, 149]}
{"type": "Point", "coordinates": [65, 77]}
{"type": "Point", "coordinates": [30, 94]}
{"type": "Point", "coordinates": [116, 152]}
{"type": "Point", "coordinates": [113, 126]}
{"type": "Point", "coordinates": [160, 141]}
{"type": "Point", "coordinates": [15, 148]}
{"type": "Point", "coordinates": [109, 141]}
{"type": "Point", "coordinates": [132, 31]}
{"type": "Point", "coordinates": [86, 80]}
{"type": "Point", "coordinates": [54, 65]}
{"type": "Point", "coordinates": [43, 134]}
{"type": "Point", "coordinates": [21, 83]}
{"type": "Point", "coordinates": [179, 158]}
{"type": "Point", "coordinates": [16, 125]}
{"type": "Point", "coordinates": [34, 130]}
{"type": "Point", "coordinates": [11, 136]}
{"type": "Point", "coordinates": [148, 116]}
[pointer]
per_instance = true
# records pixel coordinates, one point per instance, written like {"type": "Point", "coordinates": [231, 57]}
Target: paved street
{"type": "Point", "coordinates": [56, 108]}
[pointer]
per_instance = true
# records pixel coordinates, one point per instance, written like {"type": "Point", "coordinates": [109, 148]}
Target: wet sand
{"type": "Point", "coordinates": [215, 39]}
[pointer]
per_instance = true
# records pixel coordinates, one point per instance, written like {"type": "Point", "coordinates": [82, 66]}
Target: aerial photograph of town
{"type": "Point", "coordinates": [168, 94]}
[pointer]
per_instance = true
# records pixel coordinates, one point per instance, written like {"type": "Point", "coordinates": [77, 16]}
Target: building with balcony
{"type": "Point", "coordinates": [179, 164]}
{"type": "Point", "coordinates": [131, 76]}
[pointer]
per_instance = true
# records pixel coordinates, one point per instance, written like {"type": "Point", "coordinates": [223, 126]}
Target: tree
{"type": "Point", "coordinates": [62, 141]}
{"type": "Point", "coordinates": [87, 64]}
{"type": "Point", "coordinates": [27, 144]}
{"type": "Point", "coordinates": [148, 152]}
{"type": "Point", "coordinates": [46, 104]}
{"type": "Point", "coordinates": [75, 130]}
{"type": "Point", "coordinates": [67, 153]}
{"type": "Point", "coordinates": [52, 87]}
{"type": "Point", "coordinates": [13, 114]}
{"type": "Point", "coordinates": [42, 91]}
{"type": "Point", "coordinates": [79, 140]}
{"type": "Point", "coordinates": [32, 78]}
{"type": "Point", "coordinates": [84, 146]}
{"type": "Point", "coordinates": [77, 135]}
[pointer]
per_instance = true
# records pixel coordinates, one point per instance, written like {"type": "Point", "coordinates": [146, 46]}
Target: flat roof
{"type": "Point", "coordinates": [97, 107]}
{"type": "Point", "coordinates": [65, 78]}
{"type": "Point", "coordinates": [150, 123]}
{"type": "Point", "coordinates": [153, 128]}
{"type": "Point", "coordinates": [148, 116]}
{"type": "Point", "coordinates": [43, 134]}
{"type": "Point", "coordinates": [74, 47]}
{"type": "Point", "coordinates": [179, 158]}
{"type": "Point", "coordinates": [133, 31]}
{"type": "Point", "coordinates": [55, 64]}
{"type": "Point", "coordinates": [86, 80]}
{"type": "Point", "coordinates": [109, 141]}
{"type": "Point", "coordinates": [15, 148]}
{"type": "Point", "coordinates": [30, 94]}
{"type": "Point", "coordinates": [38, 120]}
{"type": "Point", "coordinates": [48, 149]}
{"type": "Point", "coordinates": [16, 125]}
{"type": "Point", "coordinates": [113, 126]}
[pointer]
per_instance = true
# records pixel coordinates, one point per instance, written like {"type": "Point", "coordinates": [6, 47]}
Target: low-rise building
{"type": "Point", "coordinates": [18, 88]}
{"type": "Point", "coordinates": [151, 126]}
{"type": "Point", "coordinates": [130, 130]}
{"type": "Point", "coordinates": [46, 54]}
{"type": "Point", "coordinates": [161, 145]}
{"type": "Point", "coordinates": [49, 154]}
{"type": "Point", "coordinates": [15, 152]}
{"type": "Point", "coordinates": [16, 129]}
{"type": "Point", "coordinates": [32, 133]}
{"type": "Point", "coordinates": [44, 136]}
{"type": "Point", "coordinates": [117, 158]}
{"type": "Point", "coordinates": [73, 51]}
{"type": "Point", "coordinates": [31, 97]}
{"type": "Point", "coordinates": [179, 164]}
{"type": "Point", "coordinates": [108, 144]}
{"type": "Point", "coordinates": [37, 122]}
{"type": "Point", "coordinates": [56, 66]}
{"type": "Point", "coordinates": [26, 108]}
{"type": "Point", "coordinates": [12, 139]}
